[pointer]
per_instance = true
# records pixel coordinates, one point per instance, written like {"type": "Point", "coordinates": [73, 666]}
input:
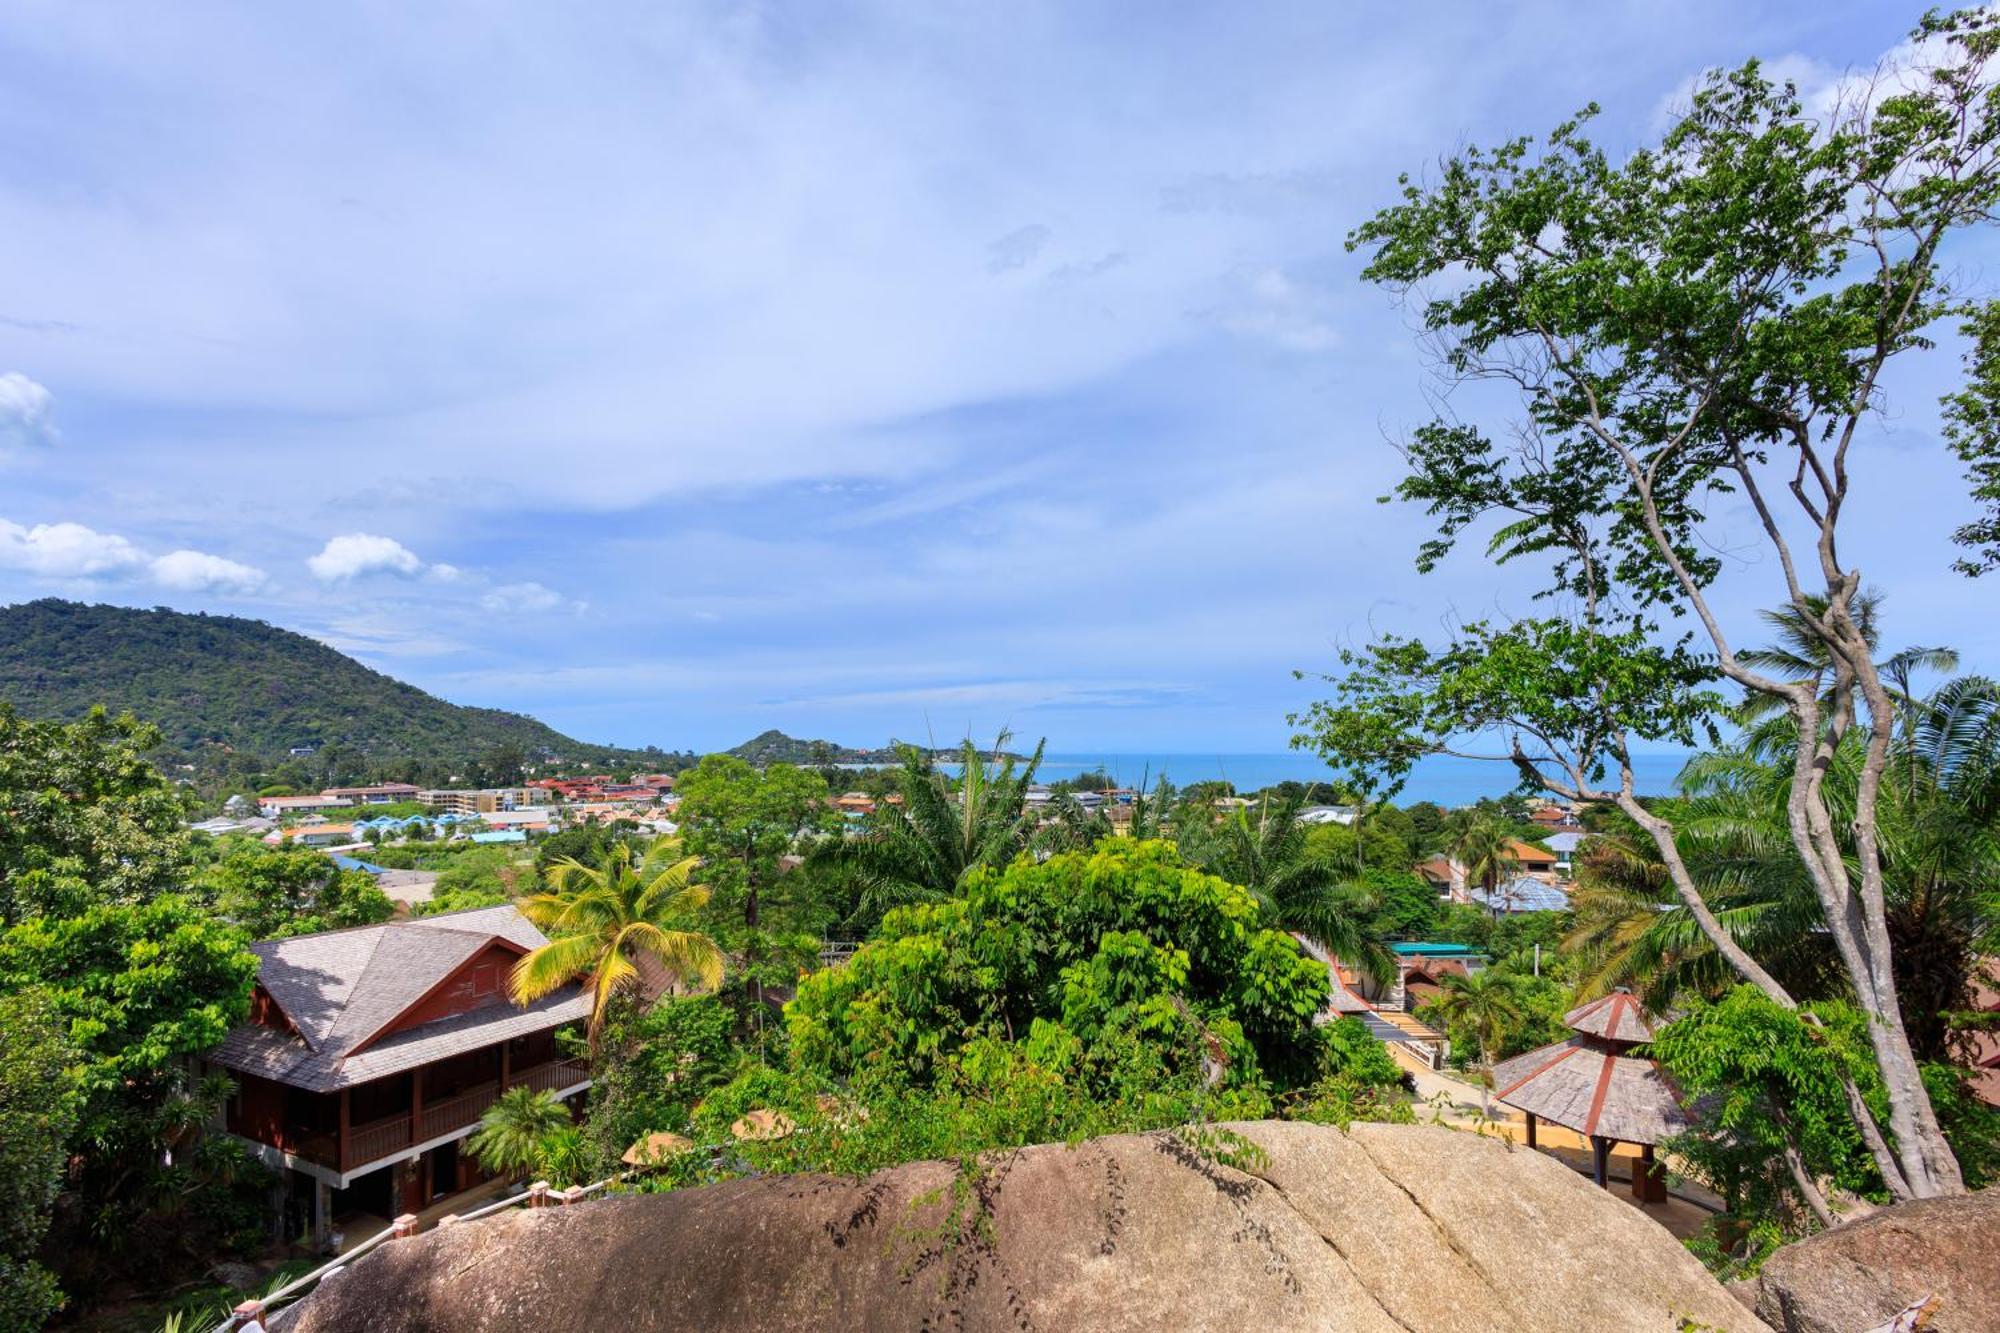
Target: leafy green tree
{"type": "Point", "coordinates": [740, 821]}
{"type": "Point", "coordinates": [84, 817]}
{"type": "Point", "coordinates": [657, 1062]}
{"type": "Point", "coordinates": [511, 1135]}
{"type": "Point", "coordinates": [1705, 321]}
{"type": "Point", "coordinates": [273, 891]}
{"type": "Point", "coordinates": [38, 1111]}
{"type": "Point", "coordinates": [1775, 1134]}
{"type": "Point", "coordinates": [1123, 944]}
{"type": "Point", "coordinates": [1406, 906]}
{"type": "Point", "coordinates": [600, 918]}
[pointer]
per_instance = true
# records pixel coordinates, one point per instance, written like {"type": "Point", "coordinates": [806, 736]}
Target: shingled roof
{"type": "Point", "coordinates": [340, 988]}
{"type": "Point", "coordinates": [1586, 1085]}
{"type": "Point", "coordinates": [1616, 1017]}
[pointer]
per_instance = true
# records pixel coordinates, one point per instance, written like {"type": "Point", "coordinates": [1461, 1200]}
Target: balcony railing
{"type": "Point", "coordinates": [393, 1134]}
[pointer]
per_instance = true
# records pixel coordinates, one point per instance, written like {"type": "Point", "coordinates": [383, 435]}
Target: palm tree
{"type": "Point", "coordinates": [924, 847]}
{"type": "Point", "coordinates": [1489, 1003]}
{"type": "Point", "coordinates": [599, 918]}
{"type": "Point", "coordinates": [1485, 848]}
{"type": "Point", "coordinates": [510, 1135]}
{"type": "Point", "coordinates": [1299, 888]}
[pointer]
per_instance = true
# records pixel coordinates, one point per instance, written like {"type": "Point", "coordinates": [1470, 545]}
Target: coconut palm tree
{"type": "Point", "coordinates": [511, 1133]}
{"type": "Point", "coordinates": [1485, 848]}
{"type": "Point", "coordinates": [600, 917]}
{"type": "Point", "coordinates": [1300, 888]}
{"type": "Point", "coordinates": [924, 847]}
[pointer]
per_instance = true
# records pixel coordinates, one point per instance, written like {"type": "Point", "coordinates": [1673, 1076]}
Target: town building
{"type": "Point", "coordinates": [371, 1054]}
{"type": "Point", "coordinates": [386, 793]}
{"type": "Point", "coordinates": [277, 807]}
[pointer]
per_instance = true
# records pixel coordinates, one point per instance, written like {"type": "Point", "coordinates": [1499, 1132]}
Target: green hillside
{"type": "Point", "coordinates": [241, 695]}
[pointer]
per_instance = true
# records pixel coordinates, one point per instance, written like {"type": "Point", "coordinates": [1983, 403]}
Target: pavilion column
{"type": "Point", "coordinates": [1600, 1152]}
{"type": "Point", "coordinates": [1531, 1127]}
{"type": "Point", "coordinates": [346, 1124]}
{"type": "Point", "coordinates": [503, 1065]}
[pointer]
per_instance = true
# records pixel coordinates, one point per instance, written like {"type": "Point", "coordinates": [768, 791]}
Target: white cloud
{"type": "Point", "coordinates": [1268, 305]}
{"type": "Point", "coordinates": [356, 553]}
{"type": "Point", "coordinates": [522, 597]}
{"type": "Point", "coordinates": [25, 411]}
{"type": "Point", "coordinates": [443, 573]}
{"type": "Point", "coordinates": [65, 551]}
{"type": "Point", "coordinates": [198, 571]}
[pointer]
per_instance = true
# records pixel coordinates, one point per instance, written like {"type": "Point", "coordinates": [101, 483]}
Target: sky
{"type": "Point", "coordinates": [675, 371]}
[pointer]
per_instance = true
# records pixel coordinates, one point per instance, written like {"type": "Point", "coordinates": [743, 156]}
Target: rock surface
{"type": "Point", "coordinates": [1863, 1272]}
{"type": "Point", "coordinates": [1389, 1228]}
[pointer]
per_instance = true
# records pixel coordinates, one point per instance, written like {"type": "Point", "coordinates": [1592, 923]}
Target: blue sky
{"type": "Point", "coordinates": [861, 370]}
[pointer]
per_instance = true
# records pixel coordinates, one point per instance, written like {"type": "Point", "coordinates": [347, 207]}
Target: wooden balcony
{"type": "Point", "coordinates": [377, 1139]}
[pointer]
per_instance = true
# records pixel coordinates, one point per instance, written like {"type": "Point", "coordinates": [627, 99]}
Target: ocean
{"type": "Point", "coordinates": [1445, 779]}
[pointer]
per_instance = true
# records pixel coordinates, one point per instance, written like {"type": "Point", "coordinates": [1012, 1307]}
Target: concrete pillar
{"type": "Point", "coordinates": [574, 1194]}
{"type": "Point", "coordinates": [249, 1315]}
{"type": "Point", "coordinates": [1531, 1128]}
{"type": "Point", "coordinates": [322, 1211]}
{"type": "Point", "coordinates": [405, 1225]}
{"type": "Point", "coordinates": [538, 1194]}
{"type": "Point", "coordinates": [1600, 1152]}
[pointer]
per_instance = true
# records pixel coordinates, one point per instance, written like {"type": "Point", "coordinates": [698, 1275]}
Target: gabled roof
{"type": "Point", "coordinates": [343, 988]}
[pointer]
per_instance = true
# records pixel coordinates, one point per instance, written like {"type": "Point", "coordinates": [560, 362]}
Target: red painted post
{"type": "Point", "coordinates": [249, 1312]}
{"type": "Point", "coordinates": [405, 1226]}
{"type": "Point", "coordinates": [574, 1194]}
{"type": "Point", "coordinates": [538, 1194]}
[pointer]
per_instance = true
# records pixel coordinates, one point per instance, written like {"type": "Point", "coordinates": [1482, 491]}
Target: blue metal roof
{"type": "Point", "coordinates": [1523, 894]}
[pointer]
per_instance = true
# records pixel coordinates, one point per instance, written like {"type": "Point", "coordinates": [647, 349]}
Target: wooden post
{"type": "Point", "coordinates": [1531, 1128]}
{"type": "Point", "coordinates": [346, 1123]}
{"type": "Point", "coordinates": [1600, 1149]}
{"type": "Point", "coordinates": [416, 1106]}
{"type": "Point", "coordinates": [1649, 1184]}
{"type": "Point", "coordinates": [503, 1065]}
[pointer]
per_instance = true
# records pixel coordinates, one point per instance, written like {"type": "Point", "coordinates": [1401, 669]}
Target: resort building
{"type": "Point", "coordinates": [371, 1054]}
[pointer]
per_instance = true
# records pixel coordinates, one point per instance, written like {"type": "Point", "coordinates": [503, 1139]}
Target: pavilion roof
{"type": "Point", "coordinates": [1615, 1017]}
{"type": "Point", "coordinates": [1586, 1085]}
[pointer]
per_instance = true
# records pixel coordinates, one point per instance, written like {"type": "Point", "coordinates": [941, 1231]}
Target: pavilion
{"type": "Point", "coordinates": [1593, 1085]}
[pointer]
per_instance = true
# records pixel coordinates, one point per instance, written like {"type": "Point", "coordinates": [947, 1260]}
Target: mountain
{"type": "Point", "coordinates": [224, 686]}
{"type": "Point", "coordinates": [775, 747]}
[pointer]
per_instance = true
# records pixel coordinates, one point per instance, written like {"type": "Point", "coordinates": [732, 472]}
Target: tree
{"type": "Point", "coordinates": [1117, 947]}
{"type": "Point", "coordinates": [1709, 318]}
{"type": "Point", "coordinates": [1298, 888]}
{"type": "Point", "coordinates": [273, 891]}
{"type": "Point", "coordinates": [84, 817]}
{"type": "Point", "coordinates": [599, 918]}
{"type": "Point", "coordinates": [924, 847]}
{"type": "Point", "coordinates": [511, 1135]}
{"type": "Point", "coordinates": [1485, 848]}
{"type": "Point", "coordinates": [38, 1110]}
{"type": "Point", "coordinates": [740, 821]}
{"type": "Point", "coordinates": [1486, 1003]}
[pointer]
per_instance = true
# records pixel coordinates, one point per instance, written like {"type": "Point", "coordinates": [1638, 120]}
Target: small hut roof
{"type": "Point", "coordinates": [655, 1148]}
{"type": "Point", "coordinates": [759, 1126]}
{"type": "Point", "coordinates": [1588, 1086]}
{"type": "Point", "coordinates": [1614, 1017]}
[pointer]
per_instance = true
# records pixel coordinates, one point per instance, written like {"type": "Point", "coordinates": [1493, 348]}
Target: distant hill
{"type": "Point", "coordinates": [775, 747]}
{"type": "Point", "coordinates": [219, 685]}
